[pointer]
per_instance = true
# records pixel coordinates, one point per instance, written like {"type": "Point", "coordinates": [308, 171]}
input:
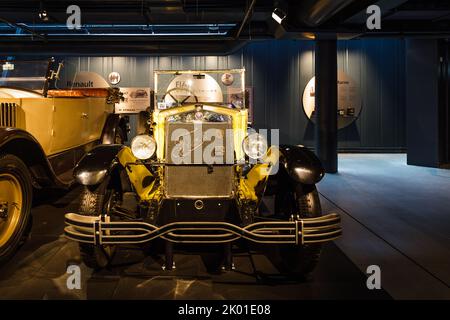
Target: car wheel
{"type": "Point", "coordinates": [16, 194]}
{"type": "Point", "coordinates": [299, 260]}
{"type": "Point", "coordinates": [92, 203]}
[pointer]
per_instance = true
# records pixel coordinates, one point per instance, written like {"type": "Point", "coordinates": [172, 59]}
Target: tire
{"type": "Point", "coordinates": [295, 260]}
{"type": "Point", "coordinates": [15, 187]}
{"type": "Point", "coordinates": [92, 203]}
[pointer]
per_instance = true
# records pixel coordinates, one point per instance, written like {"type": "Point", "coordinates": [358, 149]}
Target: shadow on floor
{"type": "Point", "coordinates": [38, 271]}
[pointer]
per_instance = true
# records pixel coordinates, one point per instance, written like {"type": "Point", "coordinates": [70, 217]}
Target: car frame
{"type": "Point", "coordinates": [133, 199]}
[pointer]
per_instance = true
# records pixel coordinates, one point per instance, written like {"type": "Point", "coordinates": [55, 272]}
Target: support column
{"type": "Point", "coordinates": [326, 103]}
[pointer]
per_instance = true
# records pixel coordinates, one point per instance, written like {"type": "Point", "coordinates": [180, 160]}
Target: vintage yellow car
{"type": "Point", "coordinates": [43, 134]}
{"type": "Point", "coordinates": [197, 175]}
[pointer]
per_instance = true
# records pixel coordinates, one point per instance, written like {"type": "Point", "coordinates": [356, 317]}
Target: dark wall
{"type": "Point", "coordinates": [279, 70]}
{"type": "Point", "coordinates": [379, 67]}
{"type": "Point", "coordinates": [422, 67]}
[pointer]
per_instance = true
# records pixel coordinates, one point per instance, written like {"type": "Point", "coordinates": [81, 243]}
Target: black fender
{"type": "Point", "coordinates": [26, 147]}
{"type": "Point", "coordinates": [114, 121]}
{"type": "Point", "coordinates": [297, 164]}
{"type": "Point", "coordinates": [301, 164]}
{"type": "Point", "coordinates": [98, 163]}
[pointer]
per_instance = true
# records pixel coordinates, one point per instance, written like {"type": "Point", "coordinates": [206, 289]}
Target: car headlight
{"type": "Point", "coordinates": [143, 146]}
{"type": "Point", "coordinates": [255, 146]}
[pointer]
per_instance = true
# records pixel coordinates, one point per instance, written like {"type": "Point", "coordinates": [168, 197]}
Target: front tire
{"type": "Point", "coordinates": [16, 194]}
{"type": "Point", "coordinates": [93, 203]}
{"type": "Point", "coordinates": [299, 260]}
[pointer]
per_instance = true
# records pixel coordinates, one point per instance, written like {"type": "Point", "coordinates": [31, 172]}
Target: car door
{"type": "Point", "coordinates": [36, 118]}
{"type": "Point", "coordinates": [70, 124]}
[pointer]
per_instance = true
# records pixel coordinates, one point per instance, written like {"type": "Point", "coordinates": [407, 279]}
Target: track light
{"type": "Point", "coordinates": [43, 15]}
{"type": "Point", "coordinates": [278, 15]}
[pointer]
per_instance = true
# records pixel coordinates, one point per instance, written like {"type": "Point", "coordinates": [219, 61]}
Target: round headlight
{"type": "Point", "coordinates": [143, 146]}
{"type": "Point", "coordinates": [255, 146]}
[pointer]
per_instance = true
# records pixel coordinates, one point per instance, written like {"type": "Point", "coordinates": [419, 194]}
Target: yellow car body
{"type": "Point", "coordinates": [59, 123]}
{"type": "Point", "coordinates": [245, 188]}
{"type": "Point", "coordinates": [43, 134]}
{"type": "Point", "coordinates": [137, 194]}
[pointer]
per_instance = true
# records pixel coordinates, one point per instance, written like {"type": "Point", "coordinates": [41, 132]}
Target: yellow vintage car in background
{"type": "Point", "coordinates": [44, 131]}
{"type": "Point", "coordinates": [197, 175]}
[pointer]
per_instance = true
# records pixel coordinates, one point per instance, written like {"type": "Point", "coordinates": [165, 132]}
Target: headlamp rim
{"type": "Point", "coordinates": [151, 138]}
{"type": "Point", "coordinates": [247, 138]}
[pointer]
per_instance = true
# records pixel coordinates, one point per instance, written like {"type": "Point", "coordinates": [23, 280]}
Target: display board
{"type": "Point", "coordinates": [86, 80]}
{"type": "Point", "coordinates": [178, 87]}
{"type": "Point", "coordinates": [349, 100]}
{"type": "Point", "coordinates": [192, 88]}
{"type": "Point", "coordinates": [135, 100]}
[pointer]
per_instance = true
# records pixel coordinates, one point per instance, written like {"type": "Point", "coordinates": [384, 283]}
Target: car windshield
{"type": "Point", "coordinates": [222, 87]}
{"type": "Point", "coordinates": [31, 75]}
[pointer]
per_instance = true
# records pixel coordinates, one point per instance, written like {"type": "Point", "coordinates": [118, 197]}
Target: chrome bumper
{"type": "Point", "coordinates": [98, 230]}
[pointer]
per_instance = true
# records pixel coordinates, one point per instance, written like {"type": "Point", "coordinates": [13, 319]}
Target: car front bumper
{"type": "Point", "coordinates": [100, 231]}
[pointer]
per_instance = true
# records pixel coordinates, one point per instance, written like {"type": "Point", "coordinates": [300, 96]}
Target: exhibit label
{"type": "Point", "coordinates": [135, 100]}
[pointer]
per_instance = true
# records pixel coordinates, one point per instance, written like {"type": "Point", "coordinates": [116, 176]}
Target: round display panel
{"type": "Point", "coordinates": [114, 77]}
{"type": "Point", "coordinates": [349, 100]}
{"type": "Point", "coordinates": [192, 88]}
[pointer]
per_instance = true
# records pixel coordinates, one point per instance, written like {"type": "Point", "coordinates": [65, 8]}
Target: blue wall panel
{"type": "Point", "coordinates": [278, 71]}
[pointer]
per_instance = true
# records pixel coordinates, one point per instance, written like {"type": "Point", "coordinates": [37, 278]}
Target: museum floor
{"type": "Point", "coordinates": [397, 217]}
{"type": "Point", "coordinates": [394, 216]}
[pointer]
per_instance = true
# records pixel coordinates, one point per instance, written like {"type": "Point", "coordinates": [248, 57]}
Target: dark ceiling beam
{"type": "Point", "coordinates": [142, 40]}
{"type": "Point", "coordinates": [24, 28]}
{"type": "Point", "coordinates": [246, 18]}
{"type": "Point", "coordinates": [258, 30]}
{"type": "Point", "coordinates": [114, 48]}
{"type": "Point", "coordinates": [313, 13]}
{"type": "Point", "coordinates": [443, 17]}
{"type": "Point", "coordinates": [390, 29]}
{"type": "Point", "coordinates": [350, 11]}
{"type": "Point", "coordinates": [208, 11]}
{"type": "Point", "coordinates": [386, 6]}
{"type": "Point", "coordinates": [130, 17]}
{"type": "Point", "coordinates": [24, 6]}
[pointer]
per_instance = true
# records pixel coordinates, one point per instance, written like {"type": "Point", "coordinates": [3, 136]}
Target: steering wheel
{"type": "Point", "coordinates": [191, 94]}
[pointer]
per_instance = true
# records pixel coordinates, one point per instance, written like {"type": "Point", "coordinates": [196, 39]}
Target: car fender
{"type": "Point", "coordinates": [27, 148]}
{"type": "Point", "coordinates": [113, 121]}
{"type": "Point", "coordinates": [98, 163]}
{"type": "Point", "coordinates": [301, 164]}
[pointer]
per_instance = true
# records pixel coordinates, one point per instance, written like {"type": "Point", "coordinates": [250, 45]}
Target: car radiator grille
{"type": "Point", "coordinates": [8, 114]}
{"type": "Point", "coordinates": [184, 181]}
{"type": "Point", "coordinates": [197, 180]}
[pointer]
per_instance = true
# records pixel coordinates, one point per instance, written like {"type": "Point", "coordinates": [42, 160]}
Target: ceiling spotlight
{"type": "Point", "coordinates": [278, 15]}
{"type": "Point", "coordinates": [43, 15]}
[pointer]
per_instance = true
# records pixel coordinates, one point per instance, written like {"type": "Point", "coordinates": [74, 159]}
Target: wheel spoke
{"type": "Point", "coordinates": [174, 99]}
{"type": "Point", "coordinates": [184, 100]}
{"type": "Point", "coordinates": [10, 206]}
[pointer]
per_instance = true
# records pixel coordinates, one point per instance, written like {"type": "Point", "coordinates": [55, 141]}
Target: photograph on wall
{"type": "Point", "coordinates": [134, 100]}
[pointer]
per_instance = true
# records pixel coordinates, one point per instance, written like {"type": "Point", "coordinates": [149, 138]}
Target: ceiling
{"type": "Point", "coordinates": [114, 27]}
